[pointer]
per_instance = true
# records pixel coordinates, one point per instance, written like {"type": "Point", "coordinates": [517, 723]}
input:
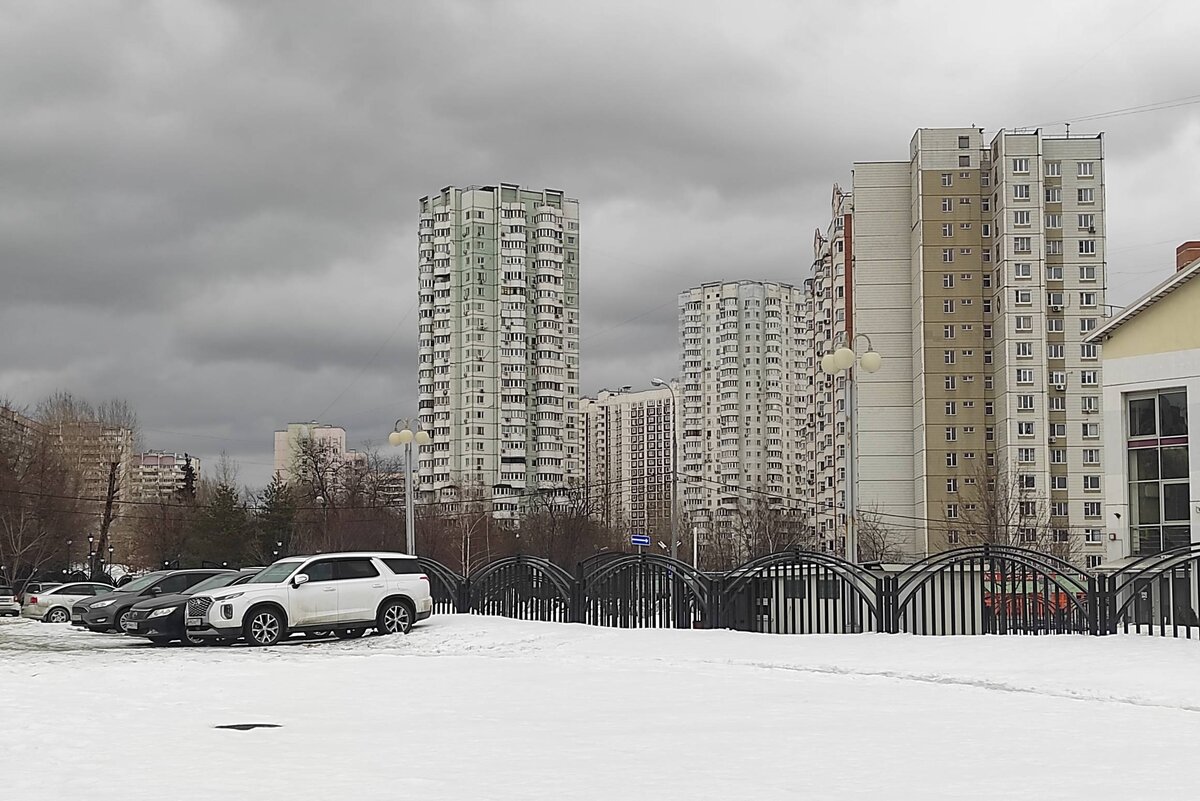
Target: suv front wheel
{"type": "Point", "coordinates": [395, 617]}
{"type": "Point", "coordinates": [263, 627]}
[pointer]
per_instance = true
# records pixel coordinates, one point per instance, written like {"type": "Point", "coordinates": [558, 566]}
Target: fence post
{"type": "Point", "coordinates": [463, 602]}
{"type": "Point", "coordinates": [885, 593]}
{"type": "Point", "coordinates": [715, 614]}
{"type": "Point", "coordinates": [577, 613]}
{"type": "Point", "coordinates": [1095, 602]}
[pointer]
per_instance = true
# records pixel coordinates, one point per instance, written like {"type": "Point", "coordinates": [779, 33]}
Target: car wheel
{"type": "Point", "coordinates": [189, 639]}
{"type": "Point", "coordinates": [264, 627]}
{"type": "Point", "coordinates": [160, 641]}
{"type": "Point", "coordinates": [349, 634]}
{"type": "Point", "coordinates": [57, 615]}
{"type": "Point", "coordinates": [396, 617]}
{"type": "Point", "coordinates": [119, 621]}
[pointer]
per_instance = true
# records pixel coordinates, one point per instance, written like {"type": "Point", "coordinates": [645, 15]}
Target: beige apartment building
{"type": "Point", "coordinates": [162, 476]}
{"type": "Point", "coordinates": [331, 439]}
{"type": "Point", "coordinates": [627, 458]}
{"type": "Point", "coordinates": [977, 269]}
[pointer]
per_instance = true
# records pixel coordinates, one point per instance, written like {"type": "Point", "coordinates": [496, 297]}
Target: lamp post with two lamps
{"type": "Point", "coordinates": [409, 433]}
{"type": "Point", "coordinates": [658, 382]}
{"type": "Point", "coordinates": [846, 359]}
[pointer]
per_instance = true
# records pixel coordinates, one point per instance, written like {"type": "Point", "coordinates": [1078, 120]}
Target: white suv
{"type": "Point", "coordinates": [346, 593]}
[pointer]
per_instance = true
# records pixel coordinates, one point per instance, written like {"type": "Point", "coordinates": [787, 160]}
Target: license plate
{"type": "Point", "coordinates": [76, 616]}
{"type": "Point", "coordinates": [128, 625]}
{"type": "Point", "coordinates": [194, 622]}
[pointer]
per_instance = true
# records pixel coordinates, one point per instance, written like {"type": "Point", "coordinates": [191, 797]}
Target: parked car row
{"type": "Point", "coordinates": [344, 594]}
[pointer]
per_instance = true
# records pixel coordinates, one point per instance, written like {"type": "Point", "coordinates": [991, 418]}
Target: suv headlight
{"type": "Point", "coordinates": [101, 604]}
{"type": "Point", "coordinates": [163, 612]}
{"type": "Point", "coordinates": [229, 597]}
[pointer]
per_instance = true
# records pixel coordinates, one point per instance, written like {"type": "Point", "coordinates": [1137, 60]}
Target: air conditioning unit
{"type": "Point", "coordinates": [1060, 387]}
{"type": "Point", "coordinates": [1052, 440]}
{"type": "Point", "coordinates": [1056, 309]}
{"type": "Point", "coordinates": [1089, 411]}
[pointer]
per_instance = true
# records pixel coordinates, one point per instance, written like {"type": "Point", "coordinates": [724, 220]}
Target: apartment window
{"type": "Point", "coordinates": [949, 382]}
{"type": "Point", "coordinates": [1054, 221]}
{"type": "Point", "coordinates": [987, 357]}
{"type": "Point", "coordinates": [1020, 165]}
{"type": "Point", "coordinates": [989, 433]}
{"type": "Point", "coordinates": [1026, 455]}
{"type": "Point", "coordinates": [1022, 244]}
{"type": "Point", "coordinates": [986, 203]}
{"type": "Point", "coordinates": [1058, 482]}
{"type": "Point", "coordinates": [1089, 404]}
{"type": "Point", "coordinates": [1091, 482]}
{"type": "Point", "coordinates": [1022, 297]}
{"type": "Point", "coordinates": [1091, 456]}
{"type": "Point", "coordinates": [952, 511]}
{"type": "Point", "coordinates": [987, 331]}
{"type": "Point", "coordinates": [1054, 352]}
{"type": "Point", "coordinates": [1053, 194]}
{"type": "Point", "coordinates": [947, 280]}
{"type": "Point", "coordinates": [1090, 430]}
{"type": "Point", "coordinates": [1087, 299]}
{"type": "Point", "coordinates": [964, 201]}
{"type": "Point", "coordinates": [1091, 508]}
{"type": "Point", "coordinates": [1024, 375]}
{"type": "Point", "coordinates": [1058, 430]}
{"type": "Point", "coordinates": [987, 229]}
{"type": "Point", "coordinates": [1088, 351]}
{"type": "Point", "coordinates": [948, 356]}
{"type": "Point", "coordinates": [1058, 378]}
{"type": "Point", "coordinates": [947, 204]}
{"type": "Point", "coordinates": [1025, 403]}
{"type": "Point", "coordinates": [948, 306]}
{"type": "Point", "coordinates": [1021, 219]}
{"type": "Point", "coordinates": [1054, 299]}
{"type": "Point", "coordinates": [1086, 195]}
{"type": "Point", "coordinates": [989, 408]}
{"type": "Point", "coordinates": [1087, 272]}
{"type": "Point", "coordinates": [1087, 324]}
{"type": "Point", "coordinates": [1053, 169]}
{"type": "Point", "coordinates": [951, 434]}
{"type": "Point", "coordinates": [1058, 456]}
{"type": "Point", "coordinates": [1054, 325]}
{"type": "Point", "coordinates": [1092, 561]}
{"type": "Point", "coordinates": [1059, 509]}
{"type": "Point", "coordinates": [987, 305]}
{"type": "Point", "coordinates": [951, 408]}
{"type": "Point", "coordinates": [948, 332]}
{"type": "Point", "coordinates": [952, 485]}
{"type": "Point", "coordinates": [951, 459]}
{"type": "Point", "coordinates": [1024, 350]}
{"type": "Point", "coordinates": [987, 280]}
{"type": "Point", "coordinates": [1025, 428]}
{"type": "Point", "coordinates": [1054, 272]}
{"type": "Point", "coordinates": [1027, 481]}
{"type": "Point", "coordinates": [1087, 247]}
{"type": "Point", "coordinates": [947, 179]}
{"type": "Point", "coordinates": [1020, 191]}
{"type": "Point", "coordinates": [947, 229]}
{"type": "Point", "coordinates": [964, 142]}
{"type": "Point", "coordinates": [964, 161]}
{"type": "Point", "coordinates": [1085, 169]}
{"type": "Point", "coordinates": [1054, 247]}
{"type": "Point", "coordinates": [947, 255]}
{"type": "Point", "coordinates": [1024, 322]}
{"type": "Point", "coordinates": [1087, 222]}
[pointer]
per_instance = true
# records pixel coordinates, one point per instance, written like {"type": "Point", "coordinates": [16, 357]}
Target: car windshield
{"type": "Point", "coordinates": [275, 573]}
{"type": "Point", "coordinates": [5, 590]}
{"type": "Point", "coordinates": [216, 582]}
{"type": "Point", "coordinates": [142, 583]}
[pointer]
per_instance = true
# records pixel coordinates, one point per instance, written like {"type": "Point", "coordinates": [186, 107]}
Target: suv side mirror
{"type": "Point", "coordinates": [300, 579]}
{"type": "Point", "coordinates": [156, 590]}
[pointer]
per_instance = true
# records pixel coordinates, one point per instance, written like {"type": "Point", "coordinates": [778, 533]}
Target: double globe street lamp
{"type": "Point", "coordinates": [845, 359]}
{"type": "Point", "coordinates": [408, 433]}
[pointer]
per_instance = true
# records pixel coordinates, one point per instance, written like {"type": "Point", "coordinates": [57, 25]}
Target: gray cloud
{"type": "Point", "coordinates": [208, 207]}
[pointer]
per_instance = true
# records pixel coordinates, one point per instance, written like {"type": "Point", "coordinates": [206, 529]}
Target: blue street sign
{"type": "Point", "coordinates": [641, 540]}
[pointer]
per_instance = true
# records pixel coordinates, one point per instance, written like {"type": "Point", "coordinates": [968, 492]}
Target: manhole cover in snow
{"type": "Point", "coordinates": [247, 726]}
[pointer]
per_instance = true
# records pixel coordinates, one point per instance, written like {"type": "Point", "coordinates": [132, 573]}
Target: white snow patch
{"type": "Point", "coordinates": [487, 708]}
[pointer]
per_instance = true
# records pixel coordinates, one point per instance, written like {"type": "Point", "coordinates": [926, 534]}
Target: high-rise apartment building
{"type": "Point", "coordinates": [499, 343]}
{"type": "Point", "coordinates": [743, 367]}
{"type": "Point", "coordinates": [160, 476]}
{"type": "Point", "coordinates": [978, 270]}
{"type": "Point", "coordinates": [328, 452]}
{"type": "Point", "coordinates": [627, 458]}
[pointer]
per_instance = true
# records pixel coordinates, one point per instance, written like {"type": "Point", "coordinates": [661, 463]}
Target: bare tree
{"type": "Point", "coordinates": [996, 508]}
{"type": "Point", "coordinates": [877, 540]}
{"type": "Point", "coordinates": [559, 525]}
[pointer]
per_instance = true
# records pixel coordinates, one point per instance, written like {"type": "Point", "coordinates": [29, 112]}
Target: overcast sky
{"type": "Point", "coordinates": [209, 208]}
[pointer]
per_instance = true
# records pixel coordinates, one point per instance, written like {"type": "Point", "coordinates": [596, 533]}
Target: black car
{"type": "Point", "coordinates": [111, 612]}
{"type": "Point", "coordinates": [160, 619]}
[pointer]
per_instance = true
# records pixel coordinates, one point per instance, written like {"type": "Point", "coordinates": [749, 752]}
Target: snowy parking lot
{"type": "Point", "coordinates": [485, 708]}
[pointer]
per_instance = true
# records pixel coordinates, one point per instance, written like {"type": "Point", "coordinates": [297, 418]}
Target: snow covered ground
{"type": "Point", "coordinates": [485, 708]}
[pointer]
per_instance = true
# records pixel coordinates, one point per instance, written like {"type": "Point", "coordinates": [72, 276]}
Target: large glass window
{"type": "Point", "coordinates": [1157, 445]}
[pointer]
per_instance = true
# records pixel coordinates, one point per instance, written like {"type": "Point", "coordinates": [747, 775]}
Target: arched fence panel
{"type": "Point", "coordinates": [1157, 594]}
{"type": "Point", "coordinates": [525, 588]}
{"type": "Point", "coordinates": [645, 591]}
{"type": "Point", "coordinates": [447, 587]}
{"type": "Point", "coordinates": [802, 592]}
{"type": "Point", "coordinates": [993, 589]}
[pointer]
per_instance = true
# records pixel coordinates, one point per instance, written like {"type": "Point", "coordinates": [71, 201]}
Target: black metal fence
{"type": "Point", "coordinates": [987, 589]}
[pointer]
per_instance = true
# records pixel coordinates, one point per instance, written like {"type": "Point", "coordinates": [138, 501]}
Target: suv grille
{"type": "Point", "coordinates": [198, 607]}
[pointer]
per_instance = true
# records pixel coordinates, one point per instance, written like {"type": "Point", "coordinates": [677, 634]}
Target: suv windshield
{"type": "Point", "coordinates": [143, 582]}
{"type": "Point", "coordinates": [275, 573]}
{"type": "Point", "coordinates": [216, 582]}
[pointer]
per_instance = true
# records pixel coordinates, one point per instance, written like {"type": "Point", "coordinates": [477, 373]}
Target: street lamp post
{"type": "Point", "coordinates": [323, 502]}
{"type": "Point", "coordinates": [845, 359]}
{"type": "Point", "coordinates": [408, 433]}
{"type": "Point", "coordinates": [91, 558]}
{"type": "Point", "coordinates": [658, 382]}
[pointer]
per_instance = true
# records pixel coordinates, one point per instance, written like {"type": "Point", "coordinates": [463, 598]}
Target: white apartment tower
{"type": "Point", "coordinates": [627, 458]}
{"type": "Point", "coordinates": [743, 368]}
{"type": "Point", "coordinates": [499, 343]}
{"type": "Point", "coordinates": [978, 270]}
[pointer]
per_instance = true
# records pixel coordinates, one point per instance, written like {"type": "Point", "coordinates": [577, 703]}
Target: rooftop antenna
{"type": "Point", "coordinates": [1068, 130]}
